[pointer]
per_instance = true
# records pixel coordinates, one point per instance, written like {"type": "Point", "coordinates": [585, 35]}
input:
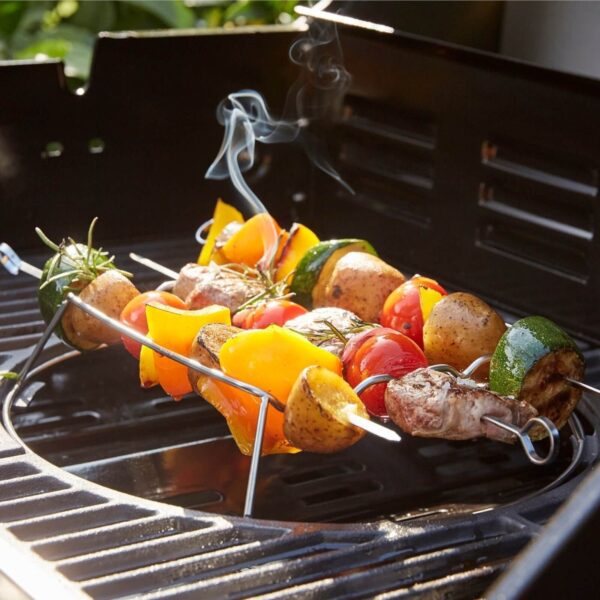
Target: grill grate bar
{"type": "Point", "coordinates": [45, 504]}
{"type": "Point", "coordinates": [149, 552]}
{"type": "Point", "coordinates": [260, 579]}
{"type": "Point", "coordinates": [75, 520]}
{"type": "Point", "coordinates": [403, 573]}
{"type": "Point", "coordinates": [30, 485]}
{"type": "Point", "coordinates": [116, 535]}
{"type": "Point", "coordinates": [222, 561]}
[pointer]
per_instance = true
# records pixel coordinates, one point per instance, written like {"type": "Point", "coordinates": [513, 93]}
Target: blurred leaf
{"type": "Point", "coordinates": [251, 11]}
{"type": "Point", "coordinates": [53, 48]}
{"type": "Point", "coordinates": [66, 29]}
{"type": "Point", "coordinates": [212, 17]}
{"type": "Point", "coordinates": [95, 16]}
{"type": "Point", "coordinates": [8, 375]}
{"type": "Point", "coordinates": [10, 15]}
{"type": "Point", "coordinates": [171, 12]}
{"type": "Point", "coordinates": [72, 44]}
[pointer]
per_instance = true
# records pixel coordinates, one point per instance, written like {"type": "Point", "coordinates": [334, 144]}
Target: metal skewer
{"type": "Point", "coordinates": [467, 373]}
{"type": "Point", "coordinates": [522, 433]}
{"type": "Point", "coordinates": [10, 260]}
{"type": "Point", "coordinates": [14, 264]}
{"type": "Point", "coordinates": [266, 399]}
{"type": "Point", "coordinates": [374, 428]}
{"type": "Point", "coordinates": [147, 262]}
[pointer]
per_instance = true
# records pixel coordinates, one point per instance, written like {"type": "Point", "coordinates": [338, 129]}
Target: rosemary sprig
{"type": "Point", "coordinates": [86, 262]}
{"type": "Point", "coordinates": [330, 331]}
{"type": "Point", "coordinates": [265, 274]}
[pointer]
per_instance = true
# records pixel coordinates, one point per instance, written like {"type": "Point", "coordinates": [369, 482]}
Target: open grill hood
{"type": "Point", "coordinates": [462, 170]}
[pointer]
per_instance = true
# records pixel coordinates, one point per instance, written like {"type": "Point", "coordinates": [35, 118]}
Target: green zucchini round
{"type": "Point", "coordinates": [531, 362]}
{"type": "Point", "coordinates": [318, 263]}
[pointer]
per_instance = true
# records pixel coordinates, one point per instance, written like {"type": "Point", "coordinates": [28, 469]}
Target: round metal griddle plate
{"type": "Point", "coordinates": [89, 415]}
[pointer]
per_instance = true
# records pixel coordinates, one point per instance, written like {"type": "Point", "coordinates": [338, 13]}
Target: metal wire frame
{"type": "Point", "coordinates": [267, 399]}
{"type": "Point", "coordinates": [264, 397]}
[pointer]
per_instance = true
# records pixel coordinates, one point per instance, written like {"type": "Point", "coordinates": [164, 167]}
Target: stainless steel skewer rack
{"type": "Point", "coordinates": [14, 265]}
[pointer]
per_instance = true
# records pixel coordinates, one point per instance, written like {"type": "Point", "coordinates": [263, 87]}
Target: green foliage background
{"type": "Point", "coordinates": [67, 29]}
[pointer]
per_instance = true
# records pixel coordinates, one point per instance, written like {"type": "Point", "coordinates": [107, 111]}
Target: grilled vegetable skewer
{"type": "Point", "coordinates": [480, 313]}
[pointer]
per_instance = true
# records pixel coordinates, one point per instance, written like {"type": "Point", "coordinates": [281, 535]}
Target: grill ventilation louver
{"type": "Point", "coordinates": [538, 208]}
{"type": "Point", "coordinates": [387, 157]}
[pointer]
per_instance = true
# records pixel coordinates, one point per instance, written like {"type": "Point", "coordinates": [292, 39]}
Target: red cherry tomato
{"type": "Point", "coordinates": [402, 308]}
{"type": "Point", "coordinates": [134, 315]}
{"type": "Point", "coordinates": [273, 312]}
{"type": "Point", "coordinates": [380, 351]}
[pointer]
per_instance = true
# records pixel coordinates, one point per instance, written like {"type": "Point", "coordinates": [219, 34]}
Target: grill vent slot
{"type": "Point", "coordinates": [352, 489]}
{"type": "Point", "coordinates": [387, 157]}
{"type": "Point", "coordinates": [540, 166]}
{"type": "Point", "coordinates": [537, 207]}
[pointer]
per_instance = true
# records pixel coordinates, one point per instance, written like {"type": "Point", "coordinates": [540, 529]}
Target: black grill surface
{"type": "Point", "coordinates": [422, 518]}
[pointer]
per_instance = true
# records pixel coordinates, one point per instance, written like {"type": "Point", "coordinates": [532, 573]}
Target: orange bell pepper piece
{"type": "Point", "coordinates": [257, 238]}
{"type": "Point", "coordinates": [301, 239]}
{"type": "Point", "coordinates": [270, 359]}
{"type": "Point", "coordinates": [175, 329]}
{"type": "Point", "coordinates": [224, 215]}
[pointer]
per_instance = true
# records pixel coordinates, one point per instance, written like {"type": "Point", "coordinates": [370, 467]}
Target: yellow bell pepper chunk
{"type": "Point", "coordinates": [429, 298]}
{"type": "Point", "coordinates": [301, 239]}
{"type": "Point", "coordinates": [272, 358]}
{"type": "Point", "coordinates": [148, 376]}
{"type": "Point", "coordinates": [176, 329]}
{"type": "Point", "coordinates": [224, 215]}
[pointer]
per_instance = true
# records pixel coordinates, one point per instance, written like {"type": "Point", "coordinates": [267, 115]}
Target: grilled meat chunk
{"type": "Point", "coordinates": [201, 286]}
{"type": "Point", "coordinates": [312, 325]}
{"type": "Point", "coordinates": [189, 276]}
{"type": "Point", "coordinates": [428, 403]}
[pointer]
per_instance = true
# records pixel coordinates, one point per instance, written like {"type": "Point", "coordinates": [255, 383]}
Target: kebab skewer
{"type": "Point", "coordinates": [314, 384]}
{"type": "Point", "coordinates": [94, 310]}
{"type": "Point", "coordinates": [331, 248]}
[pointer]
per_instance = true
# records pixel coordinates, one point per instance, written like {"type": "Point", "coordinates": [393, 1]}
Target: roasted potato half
{"type": "Point", "coordinates": [461, 328]}
{"type": "Point", "coordinates": [360, 283]}
{"type": "Point", "coordinates": [316, 412]}
{"type": "Point", "coordinates": [206, 348]}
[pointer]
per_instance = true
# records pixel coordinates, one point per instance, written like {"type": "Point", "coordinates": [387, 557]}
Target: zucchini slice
{"type": "Point", "coordinates": [316, 266]}
{"type": "Point", "coordinates": [531, 362]}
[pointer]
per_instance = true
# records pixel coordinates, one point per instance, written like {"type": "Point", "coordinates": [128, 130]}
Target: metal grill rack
{"type": "Point", "coordinates": [82, 538]}
{"type": "Point", "coordinates": [14, 264]}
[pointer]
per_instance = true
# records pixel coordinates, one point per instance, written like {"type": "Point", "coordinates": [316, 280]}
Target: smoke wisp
{"type": "Point", "coordinates": [315, 95]}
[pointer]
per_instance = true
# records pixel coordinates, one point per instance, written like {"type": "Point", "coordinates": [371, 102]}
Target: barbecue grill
{"type": "Point", "coordinates": [126, 492]}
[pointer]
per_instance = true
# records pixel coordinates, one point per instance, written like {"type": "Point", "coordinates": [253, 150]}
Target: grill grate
{"type": "Point", "coordinates": [110, 545]}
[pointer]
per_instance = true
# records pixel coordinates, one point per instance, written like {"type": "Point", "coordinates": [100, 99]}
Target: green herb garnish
{"type": "Point", "coordinates": [86, 262]}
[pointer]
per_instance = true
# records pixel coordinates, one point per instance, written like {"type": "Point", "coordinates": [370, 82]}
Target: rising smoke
{"type": "Point", "coordinates": [315, 95]}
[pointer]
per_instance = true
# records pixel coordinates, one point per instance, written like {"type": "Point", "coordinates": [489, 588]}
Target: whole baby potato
{"type": "Point", "coordinates": [360, 283]}
{"type": "Point", "coordinates": [110, 293]}
{"type": "Point", "coordinates": [461, 328]}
